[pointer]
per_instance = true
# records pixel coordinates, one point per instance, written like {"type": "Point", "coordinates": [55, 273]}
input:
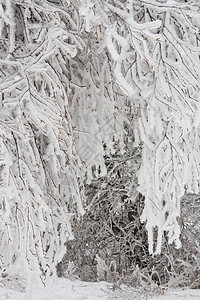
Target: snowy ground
{"type": "Point", "coordinates": [77, 290]}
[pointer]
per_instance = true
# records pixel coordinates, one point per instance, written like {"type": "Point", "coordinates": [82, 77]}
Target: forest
{"type": "Point", "coordinates": [100, 141]}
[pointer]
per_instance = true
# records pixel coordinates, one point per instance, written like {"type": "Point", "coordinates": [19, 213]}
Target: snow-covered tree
{"type": "Point", "coordinates": [54, 100]}
{"type": "Point", "coordinates": [67, 70]}
{"type": "Point", "coordinates": [154, 46]}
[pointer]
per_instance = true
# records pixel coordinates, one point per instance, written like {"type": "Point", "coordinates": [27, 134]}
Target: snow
{"type": "Point", "coordinates": [65, 289]}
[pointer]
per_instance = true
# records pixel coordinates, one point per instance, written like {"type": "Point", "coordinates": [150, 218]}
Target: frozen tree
{"type": "Point", "coordinates": [67, 70]}
{"type": "Point", "coordinates": [56, 94]}
{"type": "Point", "coordinates": [154, 47]}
